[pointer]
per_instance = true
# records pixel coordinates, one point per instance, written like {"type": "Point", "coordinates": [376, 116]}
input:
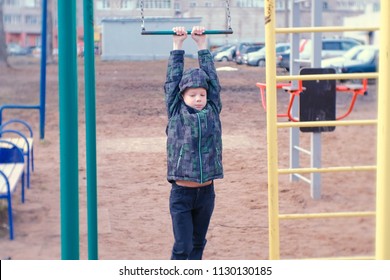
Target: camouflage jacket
{"type": "Point", "coordinates": [194, 144]}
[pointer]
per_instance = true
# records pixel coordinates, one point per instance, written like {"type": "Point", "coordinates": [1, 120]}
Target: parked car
{"type": "Point", "coordinates": [243, 48]}
{"type": "Point", "coordinates": [257, 58]}
{"type": "Point", "coordinates": [224, 53]}
{"type": "Point", "coordinates": [330, 48]}
{"type": "Point", "coordinates": [338, 61]}
{"type": "Point", "coordinates": [365, 61]}
{"type": "Point", "coordinates": [16, 49]}
{"type": "Point", "coordinates": [283, 60]}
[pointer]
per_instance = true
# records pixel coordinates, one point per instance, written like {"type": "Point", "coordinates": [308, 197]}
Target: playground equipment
{"type": "Point", "coordinates": [228, 30]}
{"type": "Point", "coordinates": [354, 89]}
{"type": "Point", "coordinates": [42, 97]}
{"type": "Point", "coordinates": [68, 108]}
{"type": "Point", "coordinates": [69, 135]}
{"type": "Point", "coordinates": [382, 245]}
{"type": "Point", "coordinates": [295, 88]}
{"type": "Point", "coordinates": [68, 104]}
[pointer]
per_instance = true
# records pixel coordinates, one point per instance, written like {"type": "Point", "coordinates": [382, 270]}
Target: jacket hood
{"type": "Point", "coordinates": [194, 78]}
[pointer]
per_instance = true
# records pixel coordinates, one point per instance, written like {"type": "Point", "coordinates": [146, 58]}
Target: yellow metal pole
{"type": "Point", "coordinates": [382, 246]}
{"type": "Point", "coordinates": [272, 139]}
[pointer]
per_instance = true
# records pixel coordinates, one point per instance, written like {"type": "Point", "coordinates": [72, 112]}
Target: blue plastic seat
{"type": "Point", "coordinates": [24, 140]}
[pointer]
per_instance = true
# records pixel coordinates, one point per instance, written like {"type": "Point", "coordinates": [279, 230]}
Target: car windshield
{"type": "Point", "coordinates": [366, 55]}
{"type": "Point", "coordinates": [261, 51]}
{"type": "Point", "coordinates": [352, 53]}
{"type": "Point", "coordinates": [223, 48]}
{"type": "Point", "coordinates": [282, 48]}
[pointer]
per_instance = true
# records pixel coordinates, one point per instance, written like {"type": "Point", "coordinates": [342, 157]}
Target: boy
{"type": "Point", "coordinates": [194, 144]}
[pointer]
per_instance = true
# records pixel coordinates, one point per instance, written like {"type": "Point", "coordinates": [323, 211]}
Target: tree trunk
{"type": "Point", "coordinates": [3, 45]}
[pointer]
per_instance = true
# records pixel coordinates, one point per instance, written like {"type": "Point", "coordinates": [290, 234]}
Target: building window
{"type": "Point", "coordinates": [279, 6]}
{"type": "Point", "coordinates": [155, 4]}
{"type": "Point", "coordinates": [376, 7]}
{"type": "Point", "coordinates": [208, 4]}
{"type": "Point", "coordinates": [250, 3]}
{"type": "Point", "coordinates": [12, 19]}
{"type": "Point", "coordinates": [12, 3]}
{"type": "Point", "coordinates": [103, 4]}
{"type": "Point", "coordinates": [31, 19]}
{"type": "Point", "coordinates": [127, 4]}
{"type": "Point", "coordinates": [192, 4]}
{"type": "Point", "coordinates": [325, 5]}
{"type": "Point", "coordinates": [32, 3]}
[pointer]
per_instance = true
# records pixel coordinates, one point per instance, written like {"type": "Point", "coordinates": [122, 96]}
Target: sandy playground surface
{"type": "Point", "coordinates": [134, 221]}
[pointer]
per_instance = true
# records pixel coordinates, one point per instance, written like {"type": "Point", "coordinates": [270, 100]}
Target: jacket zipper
{"type": "Point", "coordinates": [219, 163]}
{"type": "Point", "coordinates": [199, 150]}
{"type": "Point", "coordinates": [180, 155]}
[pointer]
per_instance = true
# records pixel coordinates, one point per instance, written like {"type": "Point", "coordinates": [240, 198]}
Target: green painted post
{"type": "Point", "coordinates": [68, 109]}
{"type": "Point", "coordinates": [90, 123]}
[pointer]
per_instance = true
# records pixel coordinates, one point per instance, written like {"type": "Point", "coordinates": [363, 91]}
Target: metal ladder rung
{"type": "Point", "coordinates": [298, 148]}
{"type": "Point", "coordinates": [325, 123]}
{"type": "Point", "coordinates": [327, 169]}
{"type": "Point", "coordinates": [323, 29]}
{"type": "Point", "coordinates": [344, 76]}
{"type": "Point", "coordinates": [345, 258]}
{"type": "Point", "coordinates": [326, 215]}
{"type": "Point", "coordinates": [303, 178]}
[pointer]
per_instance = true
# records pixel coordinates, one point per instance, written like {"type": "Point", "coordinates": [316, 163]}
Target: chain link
{"type": "Point", "coordinates": [227, 2]}
{"type": "Point", "coordinates": [141, 5]}
{"type": "Point", "coordinates": [229, 19]}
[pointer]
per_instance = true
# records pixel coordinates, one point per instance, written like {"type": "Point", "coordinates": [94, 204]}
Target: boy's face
{"type": "Point", "coordinates": [196, 98]}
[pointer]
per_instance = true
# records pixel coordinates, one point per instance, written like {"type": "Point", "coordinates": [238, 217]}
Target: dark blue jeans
{"type": "Point", "coordinates": [191, 210]}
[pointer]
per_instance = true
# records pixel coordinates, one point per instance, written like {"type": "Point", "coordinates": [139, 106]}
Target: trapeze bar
{"type": "Point", "coordinates": [169, 32]}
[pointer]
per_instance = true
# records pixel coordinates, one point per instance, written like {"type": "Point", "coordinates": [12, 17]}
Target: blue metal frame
{"type": "Point", "coordinates": [42, 103]}
{"type": "Point", "coordinates": [8, 195]}
{"type": "Point", "coordinates": [30, 150]}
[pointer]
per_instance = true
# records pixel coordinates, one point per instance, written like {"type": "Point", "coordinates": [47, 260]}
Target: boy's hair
{"type": "Point", "coordinates": [194, 78]}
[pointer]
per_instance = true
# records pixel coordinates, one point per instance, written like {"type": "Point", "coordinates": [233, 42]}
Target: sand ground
{"type": "Point", "coordinates": [133, 215]}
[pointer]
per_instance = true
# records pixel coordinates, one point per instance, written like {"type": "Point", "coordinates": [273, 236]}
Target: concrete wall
{"type": "Point", "coordinates": [122, 39]}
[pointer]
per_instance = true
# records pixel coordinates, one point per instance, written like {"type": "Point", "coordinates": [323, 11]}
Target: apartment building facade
{"type": "Point", "coordinates": [22, 18]}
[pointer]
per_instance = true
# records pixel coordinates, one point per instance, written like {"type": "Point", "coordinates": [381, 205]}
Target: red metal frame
{"type": "Point", "coordinates": [355, 89]}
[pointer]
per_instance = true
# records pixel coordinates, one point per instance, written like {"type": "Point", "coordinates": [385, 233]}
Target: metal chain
{"type": "Point", "coordinates": [141, 5]}
{"type": "Point", "coordinates": [229, 19]}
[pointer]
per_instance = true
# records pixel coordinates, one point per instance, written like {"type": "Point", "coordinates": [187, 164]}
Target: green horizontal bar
{"type": "Point", "coordinates": [170, 32]}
